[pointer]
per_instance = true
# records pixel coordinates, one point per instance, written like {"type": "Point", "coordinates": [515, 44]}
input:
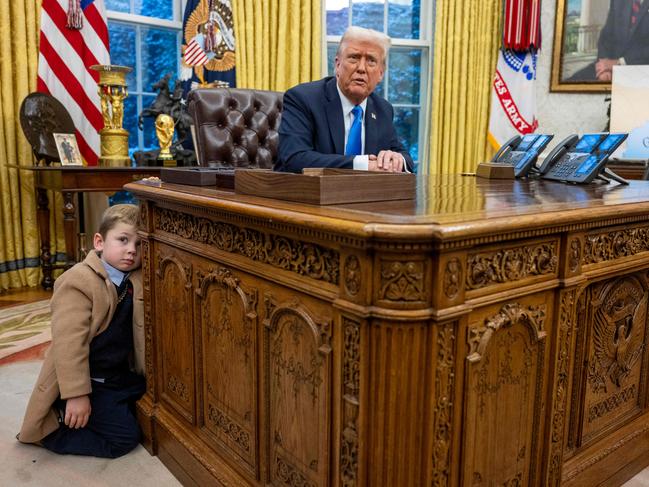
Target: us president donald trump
{"type": "Point", "coordinates": [339, 122]}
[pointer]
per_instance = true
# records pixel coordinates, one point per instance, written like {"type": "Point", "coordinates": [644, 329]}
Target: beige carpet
{"type": "Point", "coordinates": [28, 465]}
{"type": "Point", "coordinates": [24, 327]}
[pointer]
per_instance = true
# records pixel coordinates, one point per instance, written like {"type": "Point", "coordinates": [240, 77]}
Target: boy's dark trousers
{"type": "Point", "coordinates": [112, 430]}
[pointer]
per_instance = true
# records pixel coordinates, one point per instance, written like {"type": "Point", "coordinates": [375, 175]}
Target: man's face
{"type": "Point", "coordinates": [120, 248]}
{"type": "Point", "coordinates": [359, 68]}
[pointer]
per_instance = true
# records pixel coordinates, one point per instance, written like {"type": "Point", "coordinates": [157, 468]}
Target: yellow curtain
{"type": "Point", "coordinates": [19, 242]}
{"type": "Point", "coordinates": [279, 42]}
{"type": "Point", "coordinates": [467, 38]}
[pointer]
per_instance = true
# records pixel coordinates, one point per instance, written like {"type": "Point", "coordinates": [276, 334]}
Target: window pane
{"type": "Point", "coordinates": [130, 121]}
{"type": "Point", "coordinates": [406, 121]}
{"type": "Point", "coordinates": [331, 57]}
{"type": "Point", "coordinates": [159, 56]}
{"type": "Point", "coordinates": [161, 9]}
{"type": "Point", "coordinates": [337, 17]}
{"type": "Point", "coordinates": [118, 5]}
{"type": "Point", "coordinates": [150, 140]}
{"type": "Point", "coordinates": [368, 14]}
{"type": "Point", "coordinates": [122, 49]}
{"type": "Point", "coordinates": [404, 74]}
{"type": "Point", "coordinates": [403, 18]}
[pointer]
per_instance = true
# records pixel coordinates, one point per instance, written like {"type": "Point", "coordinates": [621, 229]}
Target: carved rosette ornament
{"type": "Point", "coordinates": [305, 259]}
{"type": "Point", "coordinates": [402, 281]}
{"type": "Point", "coordinates": [452, 278]}
{"type": "Point", "coordinates": [443, 406]}
{"type": "Point", "coordinates": [510, 265]}
{"type": "Point", "coordinates": [574, 255]}
{"type": "Point", "coordinates": [352, 273]}
{"type": "Point", "coordinates": [351, 390]}
{"type": "Point", "coordinates": [615, 245]}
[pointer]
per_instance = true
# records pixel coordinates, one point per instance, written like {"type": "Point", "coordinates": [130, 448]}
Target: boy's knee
{"type": "Point", "coordinates": [125, 442]}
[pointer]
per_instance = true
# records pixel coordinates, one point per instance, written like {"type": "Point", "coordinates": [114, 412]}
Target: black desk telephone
{"type": "Point", "coordinates": [522, 152]}
{"type": "Point", "coordinates": [580, 160]}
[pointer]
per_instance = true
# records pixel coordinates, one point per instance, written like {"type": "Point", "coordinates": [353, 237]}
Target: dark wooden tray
{"type": "Point", "coordinates": [198, 176]}
{"type": "Point", "coordinates": [326, 186]}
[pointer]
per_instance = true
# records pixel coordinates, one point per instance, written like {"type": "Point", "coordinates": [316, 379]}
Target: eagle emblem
{"type": "Point", "coordinates": [212, 22]}
{"type": "Point", "coordinates": [617, 336]}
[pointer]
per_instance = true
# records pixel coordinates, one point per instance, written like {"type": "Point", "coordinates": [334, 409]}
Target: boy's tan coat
{"type": "Point", "coordinates": [83, 304]}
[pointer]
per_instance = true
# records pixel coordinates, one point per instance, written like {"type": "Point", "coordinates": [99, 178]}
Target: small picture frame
{"type": "Point", "coordinates": [69, 154]}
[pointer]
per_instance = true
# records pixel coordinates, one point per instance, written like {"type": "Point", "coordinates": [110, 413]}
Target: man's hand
{"type": "Point", "coordinates": [604, 68]}
{"type": "Point", "coordinates": [77, 412]}
{"type": "Point", "coordinates": [387, 160]}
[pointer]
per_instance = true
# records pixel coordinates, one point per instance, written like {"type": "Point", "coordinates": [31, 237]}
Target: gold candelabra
{"type": "Point", "coordinates": [112, 92]}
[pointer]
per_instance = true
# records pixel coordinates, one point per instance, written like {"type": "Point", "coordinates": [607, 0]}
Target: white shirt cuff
{"type": "Point", "coordinates": [361, 163]}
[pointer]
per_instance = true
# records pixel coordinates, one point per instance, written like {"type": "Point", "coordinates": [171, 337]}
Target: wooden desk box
{"type": "Point", "coordinates": [326, 186]}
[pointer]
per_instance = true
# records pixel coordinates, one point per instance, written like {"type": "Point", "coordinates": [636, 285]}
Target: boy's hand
{"type": "Point", "coordinates": [77, 412]}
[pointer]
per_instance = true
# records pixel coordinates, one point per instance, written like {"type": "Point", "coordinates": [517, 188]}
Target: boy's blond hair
{"type": "Point", "coordinates": [113, 215]}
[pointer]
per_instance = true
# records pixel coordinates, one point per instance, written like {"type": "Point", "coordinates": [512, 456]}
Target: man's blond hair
{"type": "Point", "coordinates": [113, 215]}
{"type": "Point", "coordinates": [355, 33]}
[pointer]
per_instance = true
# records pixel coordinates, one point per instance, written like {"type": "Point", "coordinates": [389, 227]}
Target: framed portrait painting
{"type": "Point", "coordinates": [69, 153]}
{"type": "Point", "coordinates": [592, 36]}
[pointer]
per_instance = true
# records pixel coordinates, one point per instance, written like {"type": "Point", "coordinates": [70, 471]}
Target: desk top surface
{"type": "Point", "coordinates": [447, 206]}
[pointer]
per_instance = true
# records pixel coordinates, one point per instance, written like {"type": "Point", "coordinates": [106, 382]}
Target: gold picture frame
{"type": "Point", "coordinates": [588, 30]}
{"type": "Point", "coordinates": [69, 154]}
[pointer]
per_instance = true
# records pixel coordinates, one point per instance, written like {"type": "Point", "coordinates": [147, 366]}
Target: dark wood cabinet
{"type": "Point", "coordinates": [486, 333]}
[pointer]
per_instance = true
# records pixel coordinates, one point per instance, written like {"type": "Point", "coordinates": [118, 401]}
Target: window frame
{"type": "Point", "coordinates": [425, 43]}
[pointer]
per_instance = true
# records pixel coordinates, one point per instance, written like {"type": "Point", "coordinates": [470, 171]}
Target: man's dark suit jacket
{"type": "Point", "coordinates": [619, 39]}
{"type": "Point", "coordinates": [312, 131]}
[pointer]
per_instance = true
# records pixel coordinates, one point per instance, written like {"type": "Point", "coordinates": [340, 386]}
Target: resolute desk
{"type": "Point", "coordinates": [486, 333]}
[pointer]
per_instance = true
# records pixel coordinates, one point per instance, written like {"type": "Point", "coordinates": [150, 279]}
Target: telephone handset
{"type": "Point", "coordinates": [522, 152]}
{"type": "Point", "coordinates": [557, 152]}
{"type": "Point", "coordinates": [586, 159]}
{"type": "Point", "coordinates": [513, 142]}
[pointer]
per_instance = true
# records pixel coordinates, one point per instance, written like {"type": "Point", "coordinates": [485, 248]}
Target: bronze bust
{"type": "Point", "coordinates": [41, 116]}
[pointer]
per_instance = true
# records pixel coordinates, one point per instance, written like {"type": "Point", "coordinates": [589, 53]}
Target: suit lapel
{"type": "Point", "coordinates": [334, 111]}
{"type": "Point", "coordinates": [371, 128]}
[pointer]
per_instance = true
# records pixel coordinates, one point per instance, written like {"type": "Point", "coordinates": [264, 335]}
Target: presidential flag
{"type": "Point", "coordinates": [73, 37]}
{"type": "Point", "coordinates": [208, 42]}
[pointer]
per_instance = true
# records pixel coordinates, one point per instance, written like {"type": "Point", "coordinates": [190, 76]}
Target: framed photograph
{"type": "Point", "coordinates": [592, 36]}
{"type": "Point", "coordinates": [69, 154]}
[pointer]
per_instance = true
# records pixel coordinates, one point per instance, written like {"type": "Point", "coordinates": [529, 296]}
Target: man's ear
{"type": "Point", "coordinates": [98, 242]}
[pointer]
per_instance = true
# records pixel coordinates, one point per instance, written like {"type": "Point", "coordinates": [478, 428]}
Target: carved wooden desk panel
{"type": "Point", "coordinates": [488, 333]}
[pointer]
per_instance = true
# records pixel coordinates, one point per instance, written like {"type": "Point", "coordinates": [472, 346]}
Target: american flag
{"type": "Point", "coordinates": [194, 54]}
{"type": "Point", "coordinates": [64, 64]}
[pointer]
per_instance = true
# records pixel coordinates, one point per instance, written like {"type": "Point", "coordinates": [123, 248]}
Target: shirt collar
{"type": "Point", "coordinates": [115, 275]}
{"type": "Point", "coordinates": [348, 105]}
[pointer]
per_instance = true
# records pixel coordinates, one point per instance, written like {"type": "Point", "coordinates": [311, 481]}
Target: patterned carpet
{"type": "Point", "coordinates": [24, 327]}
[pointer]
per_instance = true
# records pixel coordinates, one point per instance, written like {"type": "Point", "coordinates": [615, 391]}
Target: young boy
{"type": "Point", "coordinates": [84, 398]}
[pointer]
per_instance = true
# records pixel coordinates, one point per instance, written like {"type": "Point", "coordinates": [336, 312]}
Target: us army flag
{"type": "Point", "coordinates": [513, 97]}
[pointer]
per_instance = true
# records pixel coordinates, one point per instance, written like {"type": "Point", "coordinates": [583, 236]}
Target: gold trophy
{"type": "Point", "coordinates": [164, 131]}
{"type": "Point", "coordinates": [114, 138]}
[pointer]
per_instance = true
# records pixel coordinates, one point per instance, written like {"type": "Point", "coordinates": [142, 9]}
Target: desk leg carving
{"type": "Point", "coordinates": [70, 228]}
{"type": "Point", "coordinates": [44, 232]}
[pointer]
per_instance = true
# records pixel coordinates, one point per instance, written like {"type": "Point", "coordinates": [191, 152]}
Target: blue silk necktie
{"type": "Point", "coordinates": [354, 144]}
